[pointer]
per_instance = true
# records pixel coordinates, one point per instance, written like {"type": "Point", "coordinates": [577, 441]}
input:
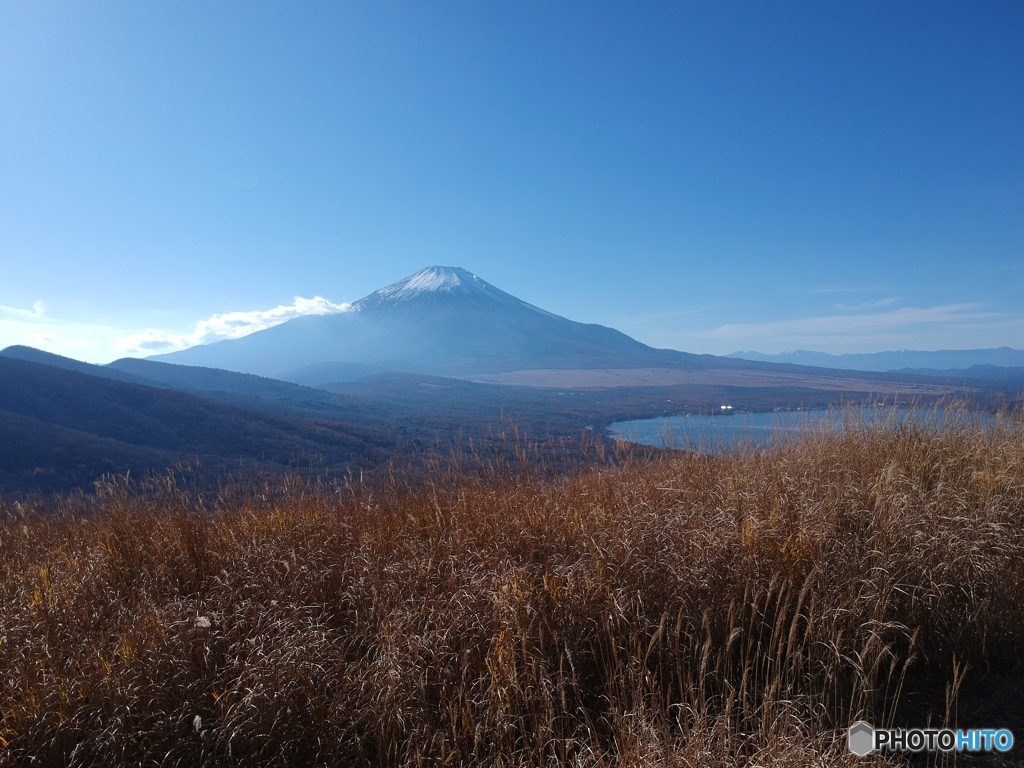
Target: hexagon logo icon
{"type": "Point", "coordinates": [861, 738]}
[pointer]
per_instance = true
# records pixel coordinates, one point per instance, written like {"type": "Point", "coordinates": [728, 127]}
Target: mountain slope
{"type": "Point", "coordinates": [241, 389]}
{"type": "Point", "coordinates": [226, 386]}
{"type": "Point", "coordinates": [38, 456]}
{"type": "Point", "coordinates": [441, 321]}
{"type": "Point", "coordinates": [994, 376]}
{"type": "Point", "coordinates": [71, 426]}
{"type": "Point", "coordinates": [190, 378]}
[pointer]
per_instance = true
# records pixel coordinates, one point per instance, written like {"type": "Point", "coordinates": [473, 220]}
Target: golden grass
{"type": "Point", "coordinates": [669, 611]}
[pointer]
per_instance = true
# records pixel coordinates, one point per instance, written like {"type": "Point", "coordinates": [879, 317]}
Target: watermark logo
{"type": "Point", "coordinates": [863, 738]}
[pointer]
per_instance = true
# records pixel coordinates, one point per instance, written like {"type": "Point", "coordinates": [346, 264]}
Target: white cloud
{"type": "Point", "coordinates": [38, 312]}
{"type": "Point", "coordinates": [846, 324]}
{"type": "Point", "coordinates": [97, 343]}
{"type": "Point", "coordinates": [229, 325]}
{"type": "Point", "coordinates": [864, 306]}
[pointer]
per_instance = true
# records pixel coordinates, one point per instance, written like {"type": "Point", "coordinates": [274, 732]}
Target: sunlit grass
{"type": "Point", "coordinates": [675, 610]}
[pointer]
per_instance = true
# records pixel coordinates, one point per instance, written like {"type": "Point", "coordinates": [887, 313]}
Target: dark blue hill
{"type": "Point", "coordinates": [78, 425]}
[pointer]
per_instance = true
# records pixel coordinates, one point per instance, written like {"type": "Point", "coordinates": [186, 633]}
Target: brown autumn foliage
{"type": "Point", "coordinates": [674, 610]}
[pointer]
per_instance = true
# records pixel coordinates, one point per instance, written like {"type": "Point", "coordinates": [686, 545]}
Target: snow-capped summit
{"type": "Point", "coordinates": [429, 280]}
{"type": "Point", "coordinates": [435, 285]}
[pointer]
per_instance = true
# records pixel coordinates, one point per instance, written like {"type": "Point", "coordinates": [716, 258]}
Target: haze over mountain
{"type": "Point", "coordinates": [441, 321]}
{"type": "Point", "coordinates": [940, 362]}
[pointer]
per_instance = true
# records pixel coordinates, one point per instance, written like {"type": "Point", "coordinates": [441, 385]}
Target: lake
{"type": "Point", "coordinates": [712, 434]}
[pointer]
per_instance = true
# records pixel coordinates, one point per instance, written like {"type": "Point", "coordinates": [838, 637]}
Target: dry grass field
{"type": "Point", "coordinates": [674, 610]}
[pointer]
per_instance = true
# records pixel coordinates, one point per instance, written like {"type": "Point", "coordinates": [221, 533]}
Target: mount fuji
{"type": "Point", "coordinates": [441, 321]}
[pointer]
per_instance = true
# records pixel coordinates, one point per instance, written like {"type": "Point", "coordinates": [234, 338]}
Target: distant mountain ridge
{"type": "Point", "coordinates": [944, 361]}
{"type": "Point", "coordinates": [183, 378]}
{"type": "Point", "coordinates": [33, 355]}
{"type": "Point", "coordinates": [441, 321]}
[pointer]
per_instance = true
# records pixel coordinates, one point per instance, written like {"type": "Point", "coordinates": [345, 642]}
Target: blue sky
{"type": "Point", "coordinates": [714, 176]}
